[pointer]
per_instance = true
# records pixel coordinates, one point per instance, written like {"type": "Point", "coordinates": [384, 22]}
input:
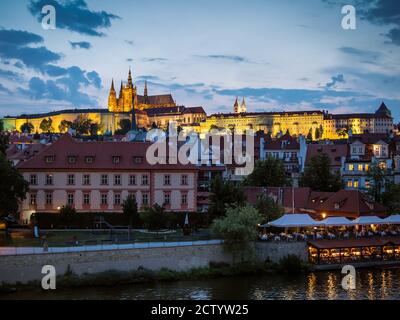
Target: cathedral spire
{"type": "Point", "coordinates": [236, 106]}
{"type": "Point", "coordinates": [130, 83]}
{"type": "Point", "coordinates": [112, 86]}
{"type": "Point", "coordinates": [145, 88]}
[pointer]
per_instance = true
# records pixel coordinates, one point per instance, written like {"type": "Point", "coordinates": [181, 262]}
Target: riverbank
{"type": "Point", "coordinates": [111, 278]}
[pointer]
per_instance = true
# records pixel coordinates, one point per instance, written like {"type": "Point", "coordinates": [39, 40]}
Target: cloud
{"type": "Point", "coordinates": [129, 60]}
{"type": "Point", "coordinates": [335, 80]}
{"type": "Point", "coordinates": [367, 55]}
{"type": "Point", "coordinates": [130, 42]}
{"type": "Point", "coordinates": [7, 74]}
{"type": "Point", "coordinates": [80, 45]}
{"type": "Point", "coordinates": [14, 45]}
{"type": "Point", "coordinates": [74, 15]}
{"type": "Point", "coordinates": [154, 59]}
{"type": "Point", "coordinates": [232, 58]}
{"type": "Point", "coordinates": [94, 78]}
{"type": "Point", "coordinates": [4, 89]}
{"type": "Point", "coordinates": [153, 78]}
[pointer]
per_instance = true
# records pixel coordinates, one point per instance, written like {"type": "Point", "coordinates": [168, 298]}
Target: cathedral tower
{"type": "Point", "coordinates": [112, 98]}
{"type": "Point", "coordinates": [243, 106]}
{"type": "Point", "coordinates": [236, 108]}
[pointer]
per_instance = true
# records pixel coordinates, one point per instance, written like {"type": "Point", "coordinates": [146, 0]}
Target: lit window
{"type": "Point", "coordinates": [360, 167]}
{"type": "Point", "coordinates": [350, 183]}
{"type": "Point", "coordinates": [355, 184]}
{"type": "Point", "coordinates": [351, 167]}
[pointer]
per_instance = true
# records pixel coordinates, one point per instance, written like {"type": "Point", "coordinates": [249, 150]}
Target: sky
{"type": "Point", "coordinates": [280, 55]}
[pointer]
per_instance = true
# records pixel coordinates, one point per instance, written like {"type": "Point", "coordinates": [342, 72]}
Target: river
{"type": "Point", "coordinates": [370, 284]}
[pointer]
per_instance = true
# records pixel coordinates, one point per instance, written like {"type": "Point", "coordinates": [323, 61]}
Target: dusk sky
{"type": "Point", "coordinates": [280, 55]}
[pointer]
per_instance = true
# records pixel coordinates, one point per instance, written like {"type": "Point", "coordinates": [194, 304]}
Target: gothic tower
{"type": "Point", "coordinates": [112, 98]}
{"type": "Point", "coordinates": [236, 108]}
{"type": "Point", "coordinates": [243, 106]}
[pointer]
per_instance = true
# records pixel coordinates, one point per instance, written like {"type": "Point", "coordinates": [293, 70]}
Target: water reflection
{"type": "Point", "coordinates": [370, 284]}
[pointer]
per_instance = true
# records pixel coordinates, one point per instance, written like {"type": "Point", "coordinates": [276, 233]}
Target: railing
{"type": "Point", "coordinates": [12, 251]}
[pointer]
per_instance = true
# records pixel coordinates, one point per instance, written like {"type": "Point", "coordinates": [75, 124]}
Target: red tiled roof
{"type": "Point", "coordinates": [194, 110]}
{"type": "Point", "coordinates": [351, 203]}
{"type": "Point", "coordinates": [286, 142]}
{"type": "Point", "coordinates": [103, 153]}
{"type": "Point", "coordinates": [334, 152]}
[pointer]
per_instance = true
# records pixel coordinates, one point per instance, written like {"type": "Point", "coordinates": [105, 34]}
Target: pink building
{"type": "Point", "coordinates": [98, 176]}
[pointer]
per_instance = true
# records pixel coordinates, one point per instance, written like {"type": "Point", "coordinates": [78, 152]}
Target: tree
{"type": "Point", "coordinates": [154, 218]}
{"type": "Point", "coordinates": [309, 135]}
{"type": "Point", "coordinates": [67, 214]}
{"type": "Point", "coordinates": [82, 124]}
{"type": "Point", "coordinates": [94, 128]}
{"type": "Point", "coordinates": [26, 127]}
{"type": "Point", "coordinates": [1, 126]}
{"type": "Point", "coordinates": [4, 142]}
{"type": "Point", "coordinates": [317, 134]}
{"type": "Point", "coordinates": [268, 173]}
{"type": "Point", "coordinates": [317, 175]}
{"type": "Point", "coordinates": [391, 198]}
{"type": "Point", "coordinates": [224, 193]}
{"type": "Point", "coordinates": [269, 208]}
{"type": "Point", "coordinates": [13, 187]}
{"type": "Point", "coordinates": [125, 126]}
{"type": "Point", "coordinates": [378, 176]}
{"type": "Point", "coordinates": [238, 228]}
{"type": "Point", "coordinates": [130, 209]}
{"type": "Point", "coordinates": [64, 125]}
{"type": "Point", "coordinates": [46, 125]}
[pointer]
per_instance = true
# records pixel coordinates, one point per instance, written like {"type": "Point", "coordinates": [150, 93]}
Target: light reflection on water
{"type": "Point", "coordinates": [370, 284]}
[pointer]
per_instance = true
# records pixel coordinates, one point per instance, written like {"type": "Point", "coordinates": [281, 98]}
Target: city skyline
{"type": "Point", "coordinates": [203, 53]}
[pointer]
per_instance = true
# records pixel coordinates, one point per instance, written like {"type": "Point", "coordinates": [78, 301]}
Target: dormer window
{"type": "Point", "coordinates": [137, 159]}
{"type": "Point", "coordinates": [116, 159]}
{"type": "Point", "coordinates": [49, 159]}
{"type": "Point", "coordinates": [337, 206]}
{"type": "Point", "coordinates": [89, 159]}
{"type": "Point", "coordinates": [71, 159]}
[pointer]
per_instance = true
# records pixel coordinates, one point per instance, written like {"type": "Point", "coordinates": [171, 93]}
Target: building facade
{"type": "Point", "coordinates": [98, 176]}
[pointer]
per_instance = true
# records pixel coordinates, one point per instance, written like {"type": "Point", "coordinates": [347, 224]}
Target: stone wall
{"type": "Point", "coordinates": [23, 268]}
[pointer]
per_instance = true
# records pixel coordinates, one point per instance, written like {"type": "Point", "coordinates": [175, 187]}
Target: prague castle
{"type": "Point", "coordinates": [158, 110]}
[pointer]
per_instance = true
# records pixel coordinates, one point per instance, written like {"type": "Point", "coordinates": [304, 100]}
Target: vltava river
{"type": "Point", "coordinates": [370, 284]}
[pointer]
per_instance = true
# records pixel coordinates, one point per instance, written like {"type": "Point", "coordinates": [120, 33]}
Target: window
{"type": "Point", "coordinates": [71, 159]}
{"type": "Point", "coordinates": [89, 159]}
{"type": "Point", "coordinates": [184, 198]}
{"type": "Point", "coordinates": [366, 167]}
{"type": "Point", "coordinates": [33, 179]}
{"type": "Point", "coordinates": [337, 206]}
{"type": "Point", "coordinates": [167, 198]}
{"type": "Point", "coordinates": [70, 199]}
{"type": "Point", "coordinates": [104, 198]}
{"type": "Point", "coordinates": [71, 179]}
{"type": "Point", "coordinates": [145, 180]}
{"type": "Point", "coordinates": [360, 167]}
{"type": "Point", "coordinates": [117, 198]}
{"type": "Point", "coordinates": [86, 198]}
{"type": "Point", "coordinates": [49, 179]}
{"type": "Point", "coordinates": [116, 159]}
{"type": "Point", "coordinates": [167, 180]}
{"type": "Point", "coordinates": [117, 179]}
{"type": "Point", "coordinates": [351, 167]}
{"type": "Point", "coordinates": [49, 198]}
{"type": "Point", "coordinates": [355, 184]}
{"type": "Point", "coordinates": [137, 159]}
{"type": "Point", "coordinates": [49, 159]}
{"type": "Point", "coordinates": [132, 180]}
{"type": "Point", "coordinates": [184, 180]}
{"type": "Point", "coordinates": [104, 179]}
{"type": "Point", "coordinates": [350, 183]}
{"type": "Point", "coordinates": [32, 199]}
{"type": "Point", "coordinates": [86, 180]}
{"type": "Point", "coordinates": [145, 199]}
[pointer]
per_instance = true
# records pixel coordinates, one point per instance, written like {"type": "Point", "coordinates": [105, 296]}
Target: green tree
{"type": "Point", "coordinates": [154, 218]}
{"type": "Point", "coordinates": [269, 208]}
{"type": "Point", "coordinates": [13, 187]}
{"type": "Point", "coordinates": [318, 176]}
{"type": "Point", "coordinates": [26, 127]}
{"type": "Point", "coordinates": [46, 125]}
{"type": "Point", "coordinates": [378, 176]}
{"type": "Point", "coordinates": [268, 173]}
{"type": "Point", "coordinates": [130, 209]}
{"type": "Point", "coordinates": [94, 128]}
{"type": "Point", "coordinates": [309, 135]}
{"type": "Point", "coordinates": [125, 125]}
{"type": "Point", "coordinates": [67, 214]}
{"type": "Point", "coordinates": [1, 125]}
{"type": "Point", "coordinates": [64, 125]}
{"type": "Point", "coordinates": [238, 229]}
{"type": "Point", "coordinates": [82, 124]}
{"type": "Point", "coordinates": [391, 198]}
{"type": "Point", "coordinates": [4, 142]}
{"type": "Point", "coordinates": [317, 134]}
{"type": "Point", "coordinates": [224, 193]}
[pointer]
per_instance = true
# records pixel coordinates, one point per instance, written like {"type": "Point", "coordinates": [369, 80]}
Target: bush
{"type": "Point", "coordinates": [291, 264]}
